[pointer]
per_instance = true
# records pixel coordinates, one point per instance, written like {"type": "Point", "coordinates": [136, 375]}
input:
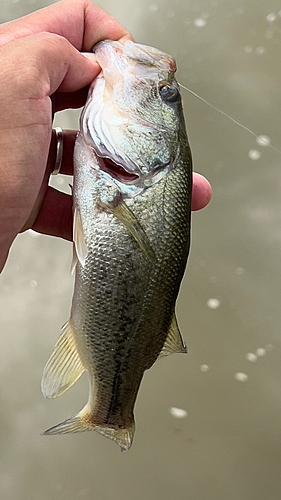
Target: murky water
{"type": "Point", "coordinates": [208, 424]}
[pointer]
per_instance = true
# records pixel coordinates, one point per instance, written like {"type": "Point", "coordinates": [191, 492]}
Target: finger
{"type": "Point", "coordinates": [81, 22]}
{"type": "Point", "coordinates": [48, 63]}
{"type": "Point", "coordinates": [55, 216]}
{"type": "Point", "coordinates": [69, 137]}
{"type": "Point", "coordinates": [201, 192]}
{"type": "Point", "coordinates": [60, 65]}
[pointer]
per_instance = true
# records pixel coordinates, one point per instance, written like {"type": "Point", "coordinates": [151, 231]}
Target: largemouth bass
{"type": "Point", "coordinates": [132, 199]}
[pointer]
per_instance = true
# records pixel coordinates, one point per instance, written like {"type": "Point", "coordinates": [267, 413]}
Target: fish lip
{"type": "Point", "coordinates": [106, 42]}
{"type": "Point", "coordinates": [148, 54]}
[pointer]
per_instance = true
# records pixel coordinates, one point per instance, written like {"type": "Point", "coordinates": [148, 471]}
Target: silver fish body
{"type": "Point", "coordinates": [132, 198]}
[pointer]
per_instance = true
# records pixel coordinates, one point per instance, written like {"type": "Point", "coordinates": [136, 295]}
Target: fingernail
{"type": "Point", "coordinates": [90, 55]}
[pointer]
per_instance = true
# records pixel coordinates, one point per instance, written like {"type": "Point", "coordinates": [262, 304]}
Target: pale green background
{"type": "Point", "coordinates": [229, 446]}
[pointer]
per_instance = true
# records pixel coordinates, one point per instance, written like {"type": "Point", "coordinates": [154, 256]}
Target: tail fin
{"type": "Point", "coordinates": [81, 422]}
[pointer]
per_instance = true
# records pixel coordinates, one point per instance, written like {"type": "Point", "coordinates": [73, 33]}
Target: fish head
{"type": "Point", "coordinates": [133, 115]}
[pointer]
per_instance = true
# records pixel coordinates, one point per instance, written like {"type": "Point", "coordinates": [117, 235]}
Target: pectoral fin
{"type": "Point", "coordinates": [122, 212]}
{"type": "Point", "coordinates": [80, 249]}
{"type": "Point", "coordinates": [174, 342]}
{"type": "Point", "coordinates": [64, 366]}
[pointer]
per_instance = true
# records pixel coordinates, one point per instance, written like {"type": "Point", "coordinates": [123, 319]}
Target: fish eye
{"type": "Point", "coordinates": [169, 93]}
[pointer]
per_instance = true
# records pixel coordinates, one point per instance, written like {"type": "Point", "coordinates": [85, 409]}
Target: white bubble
{"type": "Point", "coordinates": [271, 17]}
{"type": "Point", "coordinates": [250, 356]}
{"type": "Point", "coordinates": [154, 7]}
{"type": "Point", "coordinates": [204, 368]}
{"type": "Point", "coordinates": [33, 283]}
{"type": "Point", "coordinates": [213, 303]}
{"type": "Point", "coordinates": [248, 49]}
{"type": "Point", "coordinates": [178, 412]}
{"type": "Point", "coordinates": [260, 50]}
{"type": "Point", "coordinates": [254, 154]}
{"type": "Point", "coordinates": [260, 352]}
{"type": "Point", "coordinates": [263, 140]}
{"type": "Point", "coordinates": [239, 271]}
{"type": "Point", "coordinates": [199, 22]}
{"type": "Point", "coordinates": [241, 377]}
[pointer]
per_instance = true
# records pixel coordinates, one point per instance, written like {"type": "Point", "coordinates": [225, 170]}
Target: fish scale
{"type": "Point", "coordinates": [131, 239]}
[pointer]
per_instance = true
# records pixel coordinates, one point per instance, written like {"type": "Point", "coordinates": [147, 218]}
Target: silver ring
{"type": "Point", "coordinates": [59, 153]}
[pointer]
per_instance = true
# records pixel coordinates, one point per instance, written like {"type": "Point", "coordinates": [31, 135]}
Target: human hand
{"type": "Point", "coordinates": [42, 71]}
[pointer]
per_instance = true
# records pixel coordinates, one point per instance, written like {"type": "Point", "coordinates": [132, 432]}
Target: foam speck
{"type": "Point", "coordinates": [263, 140]}
{"type": "Point", "coordinates": [204, 368]}
{"type": "Point", "coordinates": [260, 352]}
{"type": "Point", "coordinates": [213, 303]}
{"type": "Point", "coordinates": [254, 154]}
{"type": "Point", "coordinates": [241, 377]}
{"type": "Point", "coordinates": [250, 356]}
{"type": "Point", "coordinates": [199, 22]}
{"type": "Point", "coordinates": [178, 412]}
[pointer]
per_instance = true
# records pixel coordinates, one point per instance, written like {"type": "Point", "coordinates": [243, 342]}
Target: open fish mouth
{"type": "Point", "coordinates": [117, 172]}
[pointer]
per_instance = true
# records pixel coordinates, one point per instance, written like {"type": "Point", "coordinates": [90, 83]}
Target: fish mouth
{"type": "Point", "coordinates": [117, 172]}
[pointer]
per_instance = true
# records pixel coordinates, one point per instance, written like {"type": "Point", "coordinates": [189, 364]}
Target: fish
{"type": "Point", "coordinates": [131, 233]}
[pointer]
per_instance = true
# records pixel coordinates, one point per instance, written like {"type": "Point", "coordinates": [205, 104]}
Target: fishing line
{"type": "Point", "coordinates": [257, 136]}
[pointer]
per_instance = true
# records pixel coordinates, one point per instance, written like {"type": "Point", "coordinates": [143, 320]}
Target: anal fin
{"type": "Point", "coordinates": [64, 366]}
{"type": "Point", "coordinates": [174, 342]}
